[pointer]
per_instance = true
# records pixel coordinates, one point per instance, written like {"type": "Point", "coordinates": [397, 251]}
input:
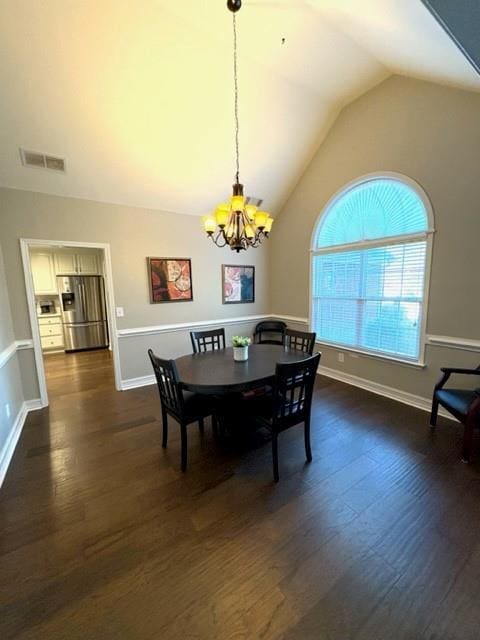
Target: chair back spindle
{"type": "Point", "coordinates": [207, 340]}
{"type": "Point", "coordinates": [293, 391]}
{"type": "Point", "coordinates": [167, 380]}
{"type": "Point", "coordinates": [300, 340]}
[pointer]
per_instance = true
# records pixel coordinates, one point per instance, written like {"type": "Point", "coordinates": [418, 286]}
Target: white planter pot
{"type": "Point", "coordinates": [240, 354]}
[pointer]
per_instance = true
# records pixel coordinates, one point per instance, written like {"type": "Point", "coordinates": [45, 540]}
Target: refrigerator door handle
{"type": "Point", "coordinates": [85, 335]}
{"type": "Point", "coordinates": [81, 288]}
{"type": "Point", "coordinates": [81, 324]}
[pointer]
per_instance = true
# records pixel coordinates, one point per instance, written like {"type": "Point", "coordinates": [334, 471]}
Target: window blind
{"type": "Point", "coordinates": [377, 208]}
{"type": "Point", "coordinates": [371, 298]}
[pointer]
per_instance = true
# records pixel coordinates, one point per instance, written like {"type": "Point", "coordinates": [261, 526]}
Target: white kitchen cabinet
{"type": "Point", "coordinates": [87, 263]}
{"type": "Point", "coordinates": [43, 271]}
{"type": "Point", "coordinates": [70, 264]}
{"type": "Point", "coordinates": [51, 332]}
{"type": "Point", "coordinates": [52, 342]}
{"type": "Point", "coordinates": [66, 264]}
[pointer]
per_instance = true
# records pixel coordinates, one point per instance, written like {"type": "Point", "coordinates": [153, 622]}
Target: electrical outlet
{"type": "Point", "coordinates": [7, 410]}
{"type": "Point", "coordinates": [341, 357]}
{"type": "Point", "coordinates": [120, 312]}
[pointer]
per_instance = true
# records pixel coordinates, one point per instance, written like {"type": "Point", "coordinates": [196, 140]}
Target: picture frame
{"type": "Point", "coordinates": [238, 284]}
{"type": "Point", "coordinates": [170, 280]}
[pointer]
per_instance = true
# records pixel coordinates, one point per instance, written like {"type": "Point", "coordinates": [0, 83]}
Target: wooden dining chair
{"type": "Point", "coordinates": [207, 340]}
{"type": "Point", "coordinates": [464, 404]}
{"type": "Point", "coordinates": [289, 404]}
{"type": "Point", "coordinates": [300, 340]}
{"type": "Point", "coordinates": [183, 406]}
{"type": "Point", "coordinates": [273, 330]}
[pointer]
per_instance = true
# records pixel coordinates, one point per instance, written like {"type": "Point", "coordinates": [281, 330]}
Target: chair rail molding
{"type": "Point", "coordinates": [26, 343]}
{"type": "Point", "coordinates": [190, 326]}
{"type": "Point", "coordinates": [8, 449]}
{"type": "Point", "coordinates": [7, 354]}
{"type": "Point", "coordinates": [16, 345]}
{"type": "Point", "coordinates": [185, 326]}
{"type": "Point", "coordinates": [143, 381]}
{"type": "Point", "coordinates": [298, 320]}
{"type": "Point", "coordinates": [466, 344]}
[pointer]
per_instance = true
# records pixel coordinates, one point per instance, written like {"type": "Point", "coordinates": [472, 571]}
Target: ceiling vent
{"type": "Point", "coordinates": [256, 201]}
{"type": "Point", "coordinates": [42, 160]}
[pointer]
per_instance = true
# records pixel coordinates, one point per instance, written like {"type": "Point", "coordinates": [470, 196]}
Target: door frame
{"type": "Point", "coordinates": [25, 245]}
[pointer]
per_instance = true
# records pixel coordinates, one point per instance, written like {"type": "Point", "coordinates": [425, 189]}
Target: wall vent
{"type": "Point", "coordinates": [42, 160]}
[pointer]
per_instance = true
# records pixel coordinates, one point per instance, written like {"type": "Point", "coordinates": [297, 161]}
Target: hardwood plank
{"type": "Point", "coordinates": [103, 537]}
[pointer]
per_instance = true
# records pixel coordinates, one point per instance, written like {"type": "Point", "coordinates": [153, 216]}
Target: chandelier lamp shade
{"type": "Point", "coordinates": [238, 223]}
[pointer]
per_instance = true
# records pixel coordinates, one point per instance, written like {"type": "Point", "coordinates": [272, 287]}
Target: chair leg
{"type": "Point", "coordinates": [308, 448]}
{"type": "Point", "coordinates": [220, 424]}
{"type": "Point", "coordinates": [467, 442]}
{"type": "Point", "coordinates": [165, 428]}
{"type": "Point", "coordinates": [183, 437]}
{"type": "Point", "coordinates": [214, 425]}
{"type": "Point", "coordinates": [201, 425]}
{"type": "Point", "coordinates": [275, 456]}
{"type": "Point", "coordinates": [434, 413]}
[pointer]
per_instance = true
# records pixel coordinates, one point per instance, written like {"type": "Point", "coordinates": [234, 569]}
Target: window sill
{"type": "Point", "coordinates": [376, 356]}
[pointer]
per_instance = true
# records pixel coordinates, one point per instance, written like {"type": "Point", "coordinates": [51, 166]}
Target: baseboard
{"type": "Point", "coordinates": [9, 446]}
{"type": "Point", "coordinates": [141, 381]}
{"type": "Point", "coordinates": [8, 450]}
{"type": "Point", "coordinates": [412, 400]}
{"type": "Point", "coordinates": [34, 405]}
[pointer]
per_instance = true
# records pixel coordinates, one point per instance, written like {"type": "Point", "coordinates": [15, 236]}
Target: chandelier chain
{"type": "Point", "coordinates": [237, 223]}
{"type": "Point", "coordinates": [235, 81]}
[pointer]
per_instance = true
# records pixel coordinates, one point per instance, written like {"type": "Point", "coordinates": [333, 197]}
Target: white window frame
{"type": "Point", "coordinates": [379, 242]}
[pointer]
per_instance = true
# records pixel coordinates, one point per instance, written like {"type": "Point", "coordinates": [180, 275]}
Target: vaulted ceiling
{"type": "Point", "coordinates": [137, 94]}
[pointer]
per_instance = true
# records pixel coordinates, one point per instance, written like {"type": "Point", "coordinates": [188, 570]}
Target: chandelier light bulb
{"type": "Point", "coordinates": [222, 215]}
{"type": "Point", "coordinates": [251, 210]}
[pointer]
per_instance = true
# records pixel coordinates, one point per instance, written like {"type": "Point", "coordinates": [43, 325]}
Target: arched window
{"type": "Point", "coordinates": [370, 257]}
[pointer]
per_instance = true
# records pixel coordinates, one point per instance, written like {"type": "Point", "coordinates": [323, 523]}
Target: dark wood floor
{"type": "Point", "coordinates": [103, 537]}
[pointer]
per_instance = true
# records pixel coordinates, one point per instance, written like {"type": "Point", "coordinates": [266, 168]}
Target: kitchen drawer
{"type": "Point", "coordinates": [51, 342]}
{"type": "Point", "coordinates": [51, 329]}
{"type": "Point", "coordinates": [54, 320]}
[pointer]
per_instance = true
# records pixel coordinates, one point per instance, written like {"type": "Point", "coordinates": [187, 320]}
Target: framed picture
{"type": "Point", "coordinates": [170, 279]}
{"type": "Point", "coordinates": [238, 284]}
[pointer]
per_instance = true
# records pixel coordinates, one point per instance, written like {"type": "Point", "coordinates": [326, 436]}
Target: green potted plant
{"type": "Point", "coordinates": [240, 348]}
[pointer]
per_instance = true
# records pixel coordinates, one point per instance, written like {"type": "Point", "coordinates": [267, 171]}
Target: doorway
{"type": "Point", "coordinates": [72, 313]}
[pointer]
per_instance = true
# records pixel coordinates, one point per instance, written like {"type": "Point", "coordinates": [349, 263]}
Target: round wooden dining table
{"type": "Point", "coordinates": [216, 372]}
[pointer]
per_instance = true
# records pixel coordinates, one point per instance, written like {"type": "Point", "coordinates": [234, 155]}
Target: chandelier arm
{"type": "Point", "coordinates": [217, 238]}
{"type": "Point", "coordinates": [258, 240]}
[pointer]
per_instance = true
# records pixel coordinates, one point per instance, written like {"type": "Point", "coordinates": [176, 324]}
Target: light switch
{"type": "Point", "coordinates": [120, 312]}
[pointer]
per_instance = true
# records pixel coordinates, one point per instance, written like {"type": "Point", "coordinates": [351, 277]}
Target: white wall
{"type": "Point", "coordinates": [432, 134]}
{"type": "Point", "coordinates": [133, 234]}
{"type": "Point", "coordinates": [11, 388]}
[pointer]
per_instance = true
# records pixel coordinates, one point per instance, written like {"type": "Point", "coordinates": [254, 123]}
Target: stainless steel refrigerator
{"type": "Point", "coordinates": [83, 312]}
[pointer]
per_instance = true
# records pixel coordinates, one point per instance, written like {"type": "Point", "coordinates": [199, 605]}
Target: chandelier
{"type": "Point", "coordinates": [238, 223]}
